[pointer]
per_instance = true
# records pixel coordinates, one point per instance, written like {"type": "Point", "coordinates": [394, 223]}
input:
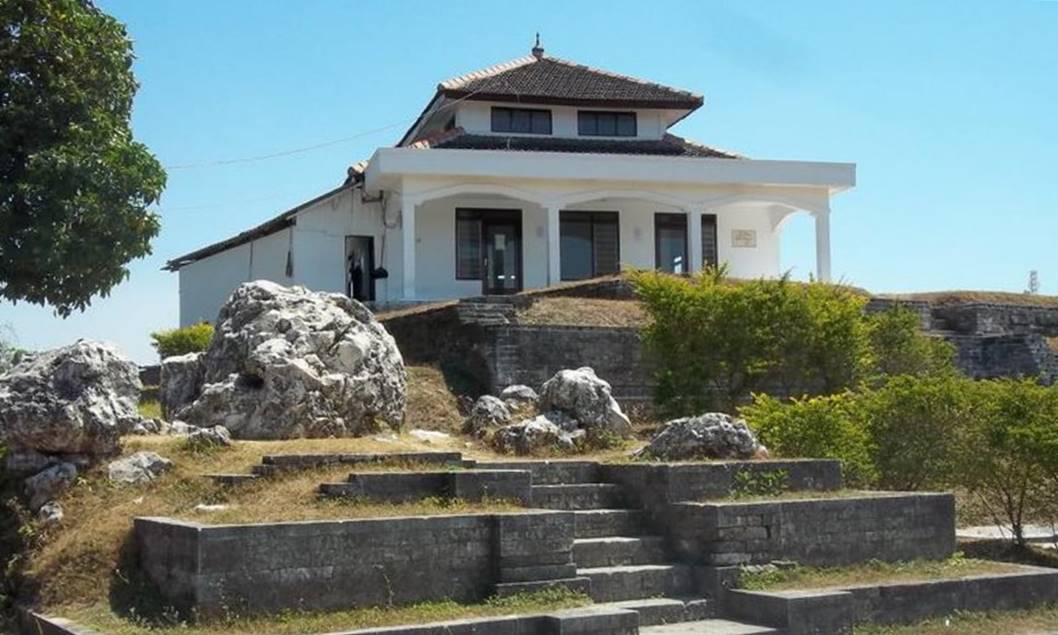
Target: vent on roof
{"type": "Point", "coordinates": [538, 51]}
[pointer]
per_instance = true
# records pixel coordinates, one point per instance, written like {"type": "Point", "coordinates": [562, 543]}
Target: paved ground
{"type": "Point", "coordinates": [1033, 533]}
{"type": "Point", "coordinates": [708, 627]}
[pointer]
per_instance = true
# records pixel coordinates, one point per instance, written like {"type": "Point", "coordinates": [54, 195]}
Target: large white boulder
{"type": "Point", "coordinates": [74, 400]}
{"type": "Point", "coordinates": [583, 396]}
{"type": "Point", "coordinates": [713, 435]}
{"type": "Point", "coordinates": [141, 467]}
{"type": "Point", "coordinates": [180, 382]}
{"type": "Point", "coordinates": [288, 362]}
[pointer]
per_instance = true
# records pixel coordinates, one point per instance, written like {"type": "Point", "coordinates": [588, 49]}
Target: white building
{"type": "Point", "coordinates": [518, 176]}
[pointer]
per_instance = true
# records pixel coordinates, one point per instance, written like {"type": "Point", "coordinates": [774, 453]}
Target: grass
{"type": "Point", "coordinates": [431, 405]}
{"type": "Point", "coordinates": [736, 497]}
{"type": "Point", "coordinates": [150, 408]}
{"type": "Point", "coordinates": [872, 572]}
{"type": "Point", "coordinates": [584, 312]}
{"type": "Point", "coordinates": [965, 623]}
{"type": "Point", "coordinates": [992, 297]}
{"type": "Point", "coordinates": [99, 616]}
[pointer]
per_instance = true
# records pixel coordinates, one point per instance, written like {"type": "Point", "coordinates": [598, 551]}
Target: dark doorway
{"type": "Point", "coordinates": [360, 263]}
{"type": "Point", "coordinates": [503, 255]}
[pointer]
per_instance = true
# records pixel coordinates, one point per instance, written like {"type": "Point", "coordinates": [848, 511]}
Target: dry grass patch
{"type": "Point", "coordinates": [990, 297]}
{"type": "Point", "coordinates": [1033, 622]}
{"type": "Point", "coordinates": [431, 405]}
{"type": "Point", "coordinates": [584, 312]}
{"type": "Point", "coordinates": [100, 617]}
{"type": "Point", "coordinates": [868, 573]}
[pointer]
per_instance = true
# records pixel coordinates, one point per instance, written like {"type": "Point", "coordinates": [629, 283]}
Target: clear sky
{"type": "Point", "coordinates": [950, 110]}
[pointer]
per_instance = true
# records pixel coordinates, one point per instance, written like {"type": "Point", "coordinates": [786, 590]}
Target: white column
{"type": "Point", "coordinates": [694, 237]}
{"type": "Point", "coordinates": [407, 241]}
{"type": "Point", "coordinates": [822, 246]}
{"type": "Point", "coordinates": [554, 246]}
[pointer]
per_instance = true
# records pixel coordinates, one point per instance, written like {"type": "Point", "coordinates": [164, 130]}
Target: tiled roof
{"type": "Point", "coordinates": [669, 145]}
{"type": "Point", "coordinates": [552, 80]}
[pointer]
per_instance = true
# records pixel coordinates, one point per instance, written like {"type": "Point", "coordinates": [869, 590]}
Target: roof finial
{"type": "Point", "coordinates": [538, 51]}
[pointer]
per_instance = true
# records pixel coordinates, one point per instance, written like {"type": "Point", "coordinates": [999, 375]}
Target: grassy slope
{"type": "Point", "coordinates": [992, 297]}
{"type": "Point", "coordinates": [1031, 622]}
{"type": "Point", "coordinates": [584, 312]}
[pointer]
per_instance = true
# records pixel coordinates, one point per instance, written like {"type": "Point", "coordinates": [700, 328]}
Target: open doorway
{"type": "Point", "coordinates": [360, 265]}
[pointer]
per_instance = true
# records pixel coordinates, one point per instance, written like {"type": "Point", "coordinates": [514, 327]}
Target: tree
{"type": "Point", "coordinates": [74, 185]}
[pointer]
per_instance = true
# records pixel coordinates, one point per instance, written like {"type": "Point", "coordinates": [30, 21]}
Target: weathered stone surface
{"type": "Point", "coordinates": [550, 430]}
{"type": "Point", "coordinates": [78, 399]}
{"type": "Point", "coordinates": [487, 414]}
{"type": "Point", "coordinates": [206, 438]}
{"type": "Point", "coordinates": [49, 483]}
{"type": "Point", "coordinates": [141, 467]}
{"type": "Point", "coordinates": [289, 362]}
{"type": "Point", "coordinates": [583, 396]}
{"type": "Point", "coordinates": [430, 436]}
{"type": "Point", "coordinates": [180, 429]}
{"type": "Point", "coordinates": [50, 513]}
{"type": "Point", "coordinates": [713, 435]}
{"type": "Point", "coordinates": [181, 382]}
{"type": "Point", "coordinates": [519, 395]}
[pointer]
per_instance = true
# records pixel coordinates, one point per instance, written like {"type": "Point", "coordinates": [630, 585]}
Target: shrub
{"type": "Point", "coordinates": [830, 427]}
{"type": "Point", "coordinates": [898, 346]}
{"type": "Point", "coordinates": [189, 339]}
{"type": "Point", "coordinates": [715, 342]}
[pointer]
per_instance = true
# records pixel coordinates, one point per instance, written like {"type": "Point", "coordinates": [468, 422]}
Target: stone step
{"type": "Point", "coordinates": [665, 610]}
{"type": "Point", "coordinates": [551, 472]}
{"type": "Point", "coordinates": [578, 584]}
{"type": "Point", "coordinates": [609, 551]}
{"type": "Point", "coordinates": [710, 627]}
{"type": "Point", "coordinates": [232, 480]}
{"type": "Point", "coordinates": [630, 582]}
{"type": "Point", "coordinates": [598, 523]}
{"type": "Point", "coordinates": [581, 496]}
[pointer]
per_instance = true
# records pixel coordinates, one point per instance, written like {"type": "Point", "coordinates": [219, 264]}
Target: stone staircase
{"type": "Point", "coordinates": [618, 561]}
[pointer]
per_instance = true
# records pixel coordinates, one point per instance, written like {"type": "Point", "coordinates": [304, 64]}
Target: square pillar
{"type": "Point", "coordinates": [822, 246]}
{"type": "Point", "coordinates": [694, 238]}
{"type": "Point", "coordinates": [554, 246]}
{"type": "Point", "coordinates": [407, 240]}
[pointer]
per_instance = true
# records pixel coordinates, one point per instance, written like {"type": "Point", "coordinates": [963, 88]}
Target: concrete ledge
{"type": "Point", "coordinates": [275, 463]}
{"type": "Point", "coordinates": [818, 532]}
{"type": "Point", "coordinates": [33, 623]}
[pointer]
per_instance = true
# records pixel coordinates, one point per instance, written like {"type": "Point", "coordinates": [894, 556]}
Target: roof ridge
{"type": "Point", "coordinates": [436, 138]}
{"type": "Point", "coordinates": [603, 71]}
{"type": "Point", "coordinates": [455, 82]}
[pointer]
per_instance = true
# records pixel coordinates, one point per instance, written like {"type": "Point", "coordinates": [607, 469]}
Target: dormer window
{"type": "Point", "coordinates": [595, 123]}
{"type": "Point", "coordinates": [521, 120]}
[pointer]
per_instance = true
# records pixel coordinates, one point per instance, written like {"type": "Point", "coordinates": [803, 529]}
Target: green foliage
{"type": "Point", "coordinates": [9, 353]}
{"type": "Point", "coordinates": [189, 339]}
{"type": "Point", "coordinates": [898, 346]}
{"type": "Point", "coordinates": [829, 427]}
{"type": "Point", "coordinates": [74, 185]}
{"type": "Point", "coordinates": [716, 342]}
{"type": "Point", "coordinates": [752, 483]}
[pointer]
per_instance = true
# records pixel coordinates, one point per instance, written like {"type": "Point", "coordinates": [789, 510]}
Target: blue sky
{"type": "Point", "coordinates": [948, 108]}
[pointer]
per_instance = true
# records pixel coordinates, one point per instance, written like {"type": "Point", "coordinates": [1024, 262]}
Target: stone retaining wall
{"type": "Point", "coordinates": [820, 532]}
{"type": "Point", "coordinates": [471, 485]}
{"type": "Point", "coordinates": [986, 318]}
{"type": "Point", "coordinates": [328, 565]}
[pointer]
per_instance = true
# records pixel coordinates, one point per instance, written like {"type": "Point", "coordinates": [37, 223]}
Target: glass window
{"type": "Point", "coordinates": [589, 244]}
{"type": "Point", "coordinates": [521, 120]}
{"type": "Point", "coordinates": [670, 242]}
{"type": "Point", "coordinates": [710, 257]}
{"type": "Point", "coordinates": [468, 245]}
{"type": "Point", "coordinates": [593, 123]}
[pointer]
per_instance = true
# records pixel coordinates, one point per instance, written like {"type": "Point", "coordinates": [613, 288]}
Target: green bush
{"type": "Point", "coordinates": [829, 427]}
{"type": "Point", "coordinates": [715, 342]}
{"type": "Point", "coordinates": [898, 346]}
{"type": "Point", "coordinates": [190, 339]}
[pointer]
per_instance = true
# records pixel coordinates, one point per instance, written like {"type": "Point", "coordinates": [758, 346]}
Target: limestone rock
{"type": "Point", "coordinates": [488, 413]}
{"type": "Point", "coordinates": [180, 429]}
{"type": "Point", "coordinates": [50, 513]}
{"type": "Point", "coordinates": [538, 434]}
{"type": "Point", "coordinates": [141, 467]}
{"type": "Point", "coordinates": [583, 396]}
{"type": "Point", "coordinates": [49, 483]}
{"type": "Point", "coordinates": [519, 395]}
{"type": "Point", "coordinates": [77, 399]}
{"type": "Point", "coordinates": [181, 382]}
{"type": "Point", "coordinates": [206, 438]}
{"type": "Point", "coordinates": [430, 436]}
{"type": "Point", "coordinates": [289, 362]}
{"type": "Point", "coordinates": [713, 435]}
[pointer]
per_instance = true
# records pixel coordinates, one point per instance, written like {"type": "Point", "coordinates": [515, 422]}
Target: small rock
{"type": "Point", "coordinates": [488, 412]}
{"type": "Point", "coordinates": [583, 396]}
{"type": "Point", "coordinates": [50, 513]}
{"type": "Point", "coordinates": [713, 435]}
{"type": "Point", "coordinates": [535, 435]}
{"type": "Point", "coordinates": [202, 507]}
{"type": "Point", "coordinates": [49, 483]}
{"type": "Point", "coordinates": [180, 429]}
{"type": "Point", "coordinates": [390, 437]}
{"type": "Point", "coordinates": [518, 396]}
{"type": "Point", "coordinates": [430, 436]}
{"type": "Point", "coordinates": [206, 438]}
{"type": "Point", "coordinates": [141, 467]}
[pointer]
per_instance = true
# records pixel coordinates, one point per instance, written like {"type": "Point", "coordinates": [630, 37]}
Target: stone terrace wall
{"type": "Point", "coordinates": [327, 565]}
{"type": "Point", "coordinates": [822, 532]}
{"type": "Point", "coordinates": [1011, 355]}
{"type": "Point", "coordinates": [987, 318]}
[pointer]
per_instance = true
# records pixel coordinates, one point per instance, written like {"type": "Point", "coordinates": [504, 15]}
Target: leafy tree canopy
{"type": "Point", "coordinates": [74, 185]}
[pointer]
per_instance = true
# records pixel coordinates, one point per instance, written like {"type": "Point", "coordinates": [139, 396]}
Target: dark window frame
{"type": "Point", "coordinates": [710, 227]}
{"type": "Point", "coordinates": [671, 220]}
{"type": "Point", "coordinates": [588, 123]}
{"type": "Point", "coordinates": [482, 216]}
{"type": "Point", "coordinates": [593, 218]}
{"type": "Point", "coordinates": [506, 116]}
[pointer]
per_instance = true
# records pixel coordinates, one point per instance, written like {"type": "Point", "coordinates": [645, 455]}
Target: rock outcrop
{"type": "Point", "coordinates": [519, 396]}
{"type": "Point", "coordinates": [548, 431]}
{"type": "Point", "coordinates": [141, 467]}
{"type": "Point", "coordinates": [74, 400]}
{"type": "Point", "coordinates": [487, 414]}
{"type": "Point", "coordinates": [43, 487]}
{"type": "Point", "coordinates": [713, 435]}
{"type": "Point", "coordinates": [180, 382]}
{"type": "Point", "coordinates": [209, 438]}
{"type": "Point", "coordinates": [290, 362]}
{"type": "Point", "coordinates": [582, 395]}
